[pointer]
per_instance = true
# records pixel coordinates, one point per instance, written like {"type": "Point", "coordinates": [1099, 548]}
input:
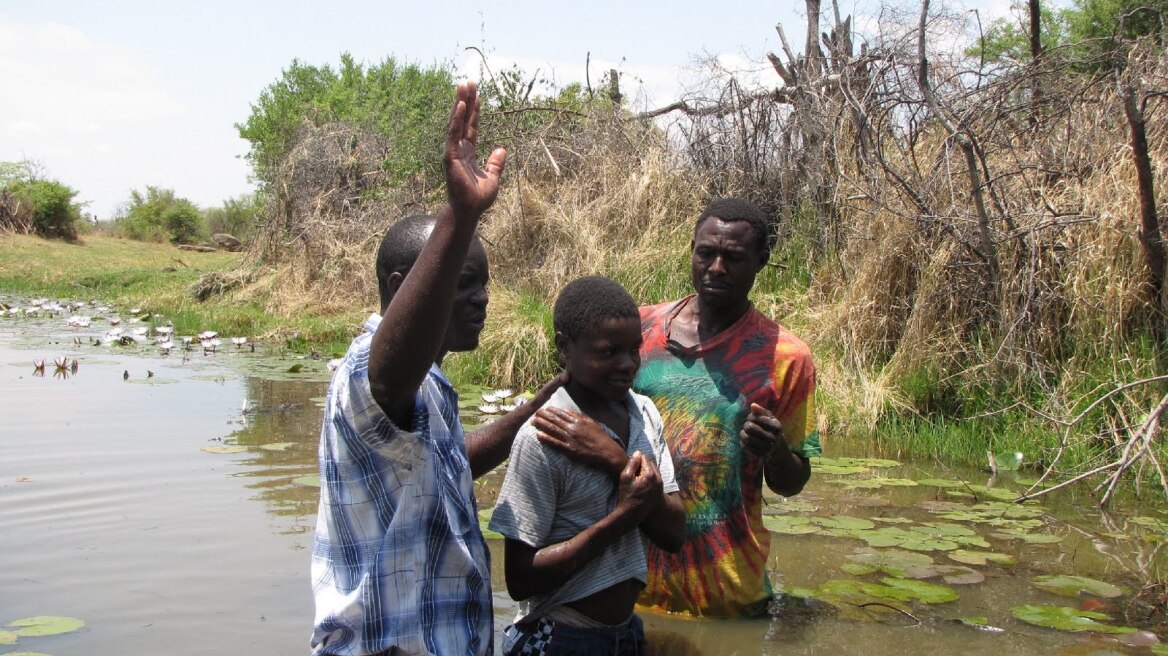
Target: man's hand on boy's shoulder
{"type": "Point", "coordinates": [579, 438]}
{"type": "Point", "coordinates": [470, 190]}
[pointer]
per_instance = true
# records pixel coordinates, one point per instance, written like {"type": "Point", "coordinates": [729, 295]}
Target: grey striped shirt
{"type": "Point", "coordinates": [547, 498]}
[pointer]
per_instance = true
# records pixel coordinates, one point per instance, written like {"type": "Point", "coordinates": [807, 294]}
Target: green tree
{"type": "Point", "coordinates": [159, 215]}
{"type": "Point", "coordinates": [237, 217]}
{"type": "Point", "coordinates": [1008, 38]}
{"type": "Point", "coordinates": [407, 103]}
{"type": "Point", "coordinates": [46, 205]}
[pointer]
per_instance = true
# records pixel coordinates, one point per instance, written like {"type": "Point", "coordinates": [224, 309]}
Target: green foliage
{"type": "Point", "coordinates": [45, 206]}
{"type": "Point", "coordinates": [407, 103]}
{"type": "Point", "coordinates": [159, 215]}
{"type": "Point", "coordinates": [238, 216]}
{"type": "Point", "coordinates": [1095, 30]}
{"type": "Point", "coordinates": [1008, 39]}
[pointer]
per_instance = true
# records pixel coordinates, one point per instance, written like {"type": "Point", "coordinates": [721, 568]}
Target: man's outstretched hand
{"type": "Point", "coordinates": [470, 190]}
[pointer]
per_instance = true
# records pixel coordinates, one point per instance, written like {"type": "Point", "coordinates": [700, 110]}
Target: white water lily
{"type": "Point", "coordinates": [113, 321]}
{"type": "Point", "coordinates": [78, 322]}
{"type": "Point", "coordinates": [142, 331]}
{"type": "Point", "coordinates": [136, 311]}
{"type": "Point", "coordinates": [114, 332]}
{"type": "Point", "coordinates": [239, 341]}
{"type": "Point", "coordinates": [334, 364]}
{"type": "Point", "coordinates": [507, 407]}
{"type": "Point", "coordinates": [166, 347]}
{"type": "Point", "coordinates": [208, 334]}
{"type": "Point", "coordinates": [488, 409]}
{"type": "Point", "coordinates": [490, 397]}
{"type": "Point", "coordinates": [164, 330]}
{"type": "Point", "coordinates": [503, 393]}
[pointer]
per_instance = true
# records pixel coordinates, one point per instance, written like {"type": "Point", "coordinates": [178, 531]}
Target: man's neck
{"type": "Point", "coordinates": [701, 323]}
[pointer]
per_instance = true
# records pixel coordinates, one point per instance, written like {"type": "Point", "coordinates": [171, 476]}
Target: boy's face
{"type": "Point", "coordinates": [469, 312]}
{"type": "Point", "coordinates": [604, 359]}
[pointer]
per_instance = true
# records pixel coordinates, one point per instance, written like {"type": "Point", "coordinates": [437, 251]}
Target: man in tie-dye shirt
{"type": "Point", "coordinates": [736, 395]}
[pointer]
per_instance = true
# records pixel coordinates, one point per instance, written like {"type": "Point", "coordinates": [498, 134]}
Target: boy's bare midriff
{"type": "Point", "coordinates": [612, 605]}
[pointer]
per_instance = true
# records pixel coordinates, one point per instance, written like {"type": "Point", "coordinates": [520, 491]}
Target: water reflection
{"type": "Point", "coordinates": [112, 513]}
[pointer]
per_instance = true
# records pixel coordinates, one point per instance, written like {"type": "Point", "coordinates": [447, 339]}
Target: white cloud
{"type": "Point", "coordinates": [100, 118]}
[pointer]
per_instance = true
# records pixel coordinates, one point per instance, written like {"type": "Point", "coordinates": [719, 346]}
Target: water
{"type": "Point", "coordinates": [112, 512]}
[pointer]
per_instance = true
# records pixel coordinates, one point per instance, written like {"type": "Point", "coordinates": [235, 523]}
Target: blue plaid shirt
{"type": "Point", "coordinates": [399, 561]}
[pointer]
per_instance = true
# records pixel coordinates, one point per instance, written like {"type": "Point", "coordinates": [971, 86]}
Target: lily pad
{"type": "Point", "coordinates": [7, 637]}
{"type": "Point", "coordinates": [1065, 618]}
{"type": "Point", "coordinates": [938, 482]}
{"type": "Point", "coordinates": [1072, 586]}
{"type": "Point", "coordinates": [46, 625]}
{"type": "Point", "coordinates": [981, 557]}
{"type": "Point", "coordinates": [790, 524]}
{"type": "Point", "coordinates": [277, 446]}
{"type": "Point", "coordinates": [843, 522]}
{"type": "Point", "coordinates": [879, 482]}
{"type": "Point", "coordinates": [225, 448]}
{"type": "Point", "coordinates": [308, 481]}
{"type": "Point", "coordinates": [926, 593]}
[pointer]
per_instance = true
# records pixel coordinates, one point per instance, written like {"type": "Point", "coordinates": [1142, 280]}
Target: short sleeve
{"type": "Point", "coordinates": [655, 432]}
{"type": "Point", "coordinates": [530, 492]}
{"type": "Point", "coordinates": [795, 388]}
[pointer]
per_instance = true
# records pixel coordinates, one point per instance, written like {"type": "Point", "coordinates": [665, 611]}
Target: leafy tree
{"type": "Point", "coordinates": [158, 215]}
{"type": "Point", "coordinates": [47, 205]}
{"type": "Point", "coordinates": [1008, 38]}
{"type": "Point", "coordinates": [407, 103]}
{"type": "Point", "coordinates": [237, 217]}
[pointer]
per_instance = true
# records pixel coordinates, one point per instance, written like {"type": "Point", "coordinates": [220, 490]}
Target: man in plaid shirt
{"type": "Point", "coordinates": [399, 564]}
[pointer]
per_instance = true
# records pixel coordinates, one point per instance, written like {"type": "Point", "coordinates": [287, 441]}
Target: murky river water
{"type": "Point", "coordinates": [112, 511]}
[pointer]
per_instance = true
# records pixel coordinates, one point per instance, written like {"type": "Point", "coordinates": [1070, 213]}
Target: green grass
{"type": "Point", "coordinates": [156, 278]}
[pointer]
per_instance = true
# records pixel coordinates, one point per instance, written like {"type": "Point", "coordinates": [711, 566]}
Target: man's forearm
{"type": "Point", "coordinates": [786, 472]}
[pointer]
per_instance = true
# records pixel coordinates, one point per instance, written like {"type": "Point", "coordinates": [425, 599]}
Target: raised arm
{"type": "Point", "coordinates": [413, 327]}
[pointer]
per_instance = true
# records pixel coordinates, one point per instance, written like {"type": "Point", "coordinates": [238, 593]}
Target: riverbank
{"type": "Point", "coordinates": [158, 278]}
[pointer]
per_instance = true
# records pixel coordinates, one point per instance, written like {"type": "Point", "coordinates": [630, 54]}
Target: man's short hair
{"type": "Point", "coordinates": [585, 302]}
{"type": "Point", "coordinates": [740, 209]}
{"type": "Point", "coordinates": [399, 249]}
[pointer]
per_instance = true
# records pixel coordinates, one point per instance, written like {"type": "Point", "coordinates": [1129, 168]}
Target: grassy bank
{"type": "Point", "coordinates": [158, 278]}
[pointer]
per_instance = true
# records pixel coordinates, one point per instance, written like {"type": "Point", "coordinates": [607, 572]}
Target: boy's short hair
{"type": "Point", "coordinates": [587, 301]}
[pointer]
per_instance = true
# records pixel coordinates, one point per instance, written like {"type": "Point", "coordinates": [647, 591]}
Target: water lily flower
{"type": "Point", "coordinates": [507, 407]}
{"type": "Point", "coordinates": [38, 365]}
{"type": "Point", "coordinates": [488, 409]}
{"type": "Point", "coordinates": [136, 311]}
{"type": "Point", "coordinates": [73, 364]}
{"type": "Point", "coordinates": [142, 331]}
{"type": "Point", "coordinates": [62, 362]}
{"type": "Point", "coordinates": [239, 341]}
{"type": "Point", "coordinates": [334, 364]}
{"type": "Point", "coordinates": [113, 321]}
{"type": "Point", "coordinates": [489, 398]}
{"type": "Point", "coordinates": [164, 330]}
{"type": "Point", "coordinates": [78, 322]}
{"type": "Point", "coordinates": [503, 393]}
{"type": "Point", "coordinates": [208, 334]}
{"type": "Point", "coordinates": [187, 340]}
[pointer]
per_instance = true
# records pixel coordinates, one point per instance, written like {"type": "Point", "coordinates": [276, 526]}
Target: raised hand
{"type": "Point", "coordinates": [470, 190]}
{"type": "Point", "coordinates": [762, 434]}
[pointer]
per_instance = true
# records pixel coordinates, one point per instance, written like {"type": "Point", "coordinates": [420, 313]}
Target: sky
{"type": "Point", "coordinates": [116, 95]}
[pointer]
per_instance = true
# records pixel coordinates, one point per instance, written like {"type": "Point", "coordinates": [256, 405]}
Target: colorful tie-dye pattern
{"type": "Point", "coordinates": [704, 396]}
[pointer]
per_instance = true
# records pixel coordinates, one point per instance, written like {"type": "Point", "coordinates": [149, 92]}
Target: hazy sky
{"type": "Point", "coordinates": [111, 96]}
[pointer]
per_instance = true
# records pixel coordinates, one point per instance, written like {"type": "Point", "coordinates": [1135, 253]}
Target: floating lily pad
{"type": "Point", "coordinates": [783, 505]}
{"type": "Point", "coordinates": [296, 368]}
{"type": "Point", "coordinates": [308, 481]}
{"type": "Point", "coordinates": [225, 448]}
{"type": "Point", "coordinates": [1029, 538]}
{"type": "Point", "coordinates": [843, 522]}
{"type": "Point", "coordinates": [790, 524]}
{"type": "Point", "coordinates": [1065, 618]}
{"type": "Point", "coordinates": [46, 625]}
{"type": "Point", "coordinates": [895, 562]}
{"type": "Point", "coordinates": [981, 557]}
{"type": "Point", "coordinates": [277, 446]}
{"type": "Point", "coordinates": [938, 482]}
{"type": "Point", "coordinates": [1072, 586]}
{"type": "Point", "coordinates": [7, 637]}
{"type": "Point", "coordinates": [879, 482]}
{"type": "Point", "coordinates": [926, 593]}
{"type": "Point", "coordinates": [1149, 522]}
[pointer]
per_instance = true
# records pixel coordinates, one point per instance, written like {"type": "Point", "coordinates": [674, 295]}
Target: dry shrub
{"type": "Point", "coordinates": [15, 216]}
{"type": "Point", "coordinates": [331, 204]}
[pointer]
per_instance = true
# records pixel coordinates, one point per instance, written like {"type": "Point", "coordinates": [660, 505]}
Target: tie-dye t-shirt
{"type": "Point", "coordinates": [704, 394]}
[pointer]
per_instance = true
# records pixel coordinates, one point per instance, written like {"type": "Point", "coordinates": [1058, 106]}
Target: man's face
{"type": "Point", "coordinates": [469, 312]}
{"type": "Point", "coordinates": [724, 262]}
